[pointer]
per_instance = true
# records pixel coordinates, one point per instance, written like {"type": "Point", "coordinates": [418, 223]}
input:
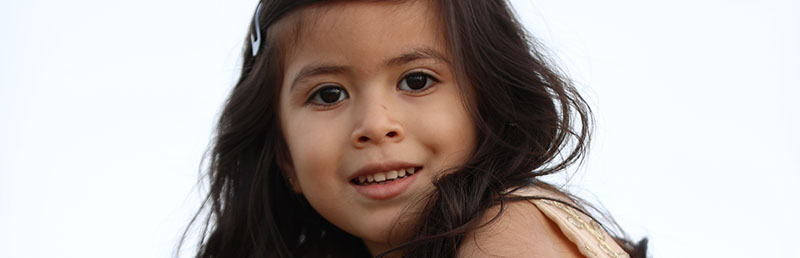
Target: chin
{"type": "Point", "coordinates": [384, 228]}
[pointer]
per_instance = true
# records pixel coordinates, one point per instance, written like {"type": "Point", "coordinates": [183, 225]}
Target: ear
{"type": "Point", "coordinates": [286, 166]}
{"type": "Point", "coordinates": [291, 177]}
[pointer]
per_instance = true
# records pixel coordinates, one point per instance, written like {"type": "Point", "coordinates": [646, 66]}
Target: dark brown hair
{"type": "Point", "coordinates": [529, 118]}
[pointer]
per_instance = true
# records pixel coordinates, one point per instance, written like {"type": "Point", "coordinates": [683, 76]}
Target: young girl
{"type": "Point", "coordinates": [398, 128]}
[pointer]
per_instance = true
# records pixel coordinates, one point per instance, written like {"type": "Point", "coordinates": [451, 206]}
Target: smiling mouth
{"type": "Point", "coordinates": [385, 177]}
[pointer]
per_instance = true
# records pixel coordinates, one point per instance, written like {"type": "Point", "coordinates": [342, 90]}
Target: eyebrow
{"type": "Point", "coordinates": [323, 69]}
{"type": "Point", "coordinates": [315, 70]}
{"type": "Point", "coordinates": [417, 53]}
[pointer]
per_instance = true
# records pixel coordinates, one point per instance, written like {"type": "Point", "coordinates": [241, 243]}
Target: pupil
{"type": "Point", "coordinates": [330, 95]}
{"type": "Point", "coordinates": [416, 81]}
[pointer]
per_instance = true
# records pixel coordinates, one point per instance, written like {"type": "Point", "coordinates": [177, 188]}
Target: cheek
{"type": "Point", "coordinates": [449, 131]}
{"type": "Point", "coordinates": [315, 150]}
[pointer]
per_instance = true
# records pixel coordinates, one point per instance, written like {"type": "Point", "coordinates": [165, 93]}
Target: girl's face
{"type": "Point", "coordinates": [369, 94]}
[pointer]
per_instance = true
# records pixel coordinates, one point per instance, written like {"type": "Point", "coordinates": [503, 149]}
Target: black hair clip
{"type": "Point", "coordinates": [255, 39]}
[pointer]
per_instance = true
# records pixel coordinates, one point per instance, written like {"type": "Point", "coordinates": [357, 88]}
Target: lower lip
{"type": "Point", "coordinates": [387, 190]}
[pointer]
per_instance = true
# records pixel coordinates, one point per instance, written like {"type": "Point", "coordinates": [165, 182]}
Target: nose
{"type": "Point", "coordinates": [377, 125]}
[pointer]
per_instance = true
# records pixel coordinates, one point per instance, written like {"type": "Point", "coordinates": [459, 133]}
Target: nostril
{"type": "Point", "coordinates": [363, 139]}
{"type": "Point", "coordinates": [391, 134]}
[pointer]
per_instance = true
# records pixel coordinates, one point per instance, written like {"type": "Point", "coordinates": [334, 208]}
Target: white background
{"type": "Point", "coordinates": [106, 108]}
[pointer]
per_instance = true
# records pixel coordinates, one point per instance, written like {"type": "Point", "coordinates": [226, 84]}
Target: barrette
{"type": "Point", "coordinates": [255, 39]}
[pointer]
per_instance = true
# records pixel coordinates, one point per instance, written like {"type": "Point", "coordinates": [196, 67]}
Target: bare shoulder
{"type": "Point", "coordinates": [522, 230]}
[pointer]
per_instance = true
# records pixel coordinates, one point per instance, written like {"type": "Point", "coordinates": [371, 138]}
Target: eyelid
{"type": "Point", "coordinates": [430, 74]}
{"type": "Point", "coordinates": [317, 89]}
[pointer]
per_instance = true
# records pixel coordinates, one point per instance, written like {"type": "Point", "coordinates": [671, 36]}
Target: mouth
{"type": "Point", "coordinates": [386, 180]}
{"type": "Point", "coordinates": [385, 177]}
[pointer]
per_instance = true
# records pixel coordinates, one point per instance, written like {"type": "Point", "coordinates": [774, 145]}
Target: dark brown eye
{"type": "Point", "coordinates": [329, 95]}
{"type": "Point", "coordinates": [416, 82]}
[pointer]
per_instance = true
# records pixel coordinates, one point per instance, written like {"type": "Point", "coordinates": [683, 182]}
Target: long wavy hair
{"type": "Point", "coordinates": [530, 122]}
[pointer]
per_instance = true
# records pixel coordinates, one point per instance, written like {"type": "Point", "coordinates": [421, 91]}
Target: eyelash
{"type": "Point", "coordinates": [419, 73]}
{"type": "Point", "coordinates": [313, 99]}
{"type": "Point", "coordinates": [314, 96]}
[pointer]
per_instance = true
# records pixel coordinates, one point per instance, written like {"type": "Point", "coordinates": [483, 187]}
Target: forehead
{"type": "Point", "coordinates": [351, 31]}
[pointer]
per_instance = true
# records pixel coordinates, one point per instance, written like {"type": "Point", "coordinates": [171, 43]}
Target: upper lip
{"type": "Point", "coordinates": [373, 168]}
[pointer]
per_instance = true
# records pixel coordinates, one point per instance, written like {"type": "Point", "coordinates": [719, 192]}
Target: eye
{"type": "Point", "coordinates": [328, 95]}
{"type": "Point", "coordinates": [417, 82]}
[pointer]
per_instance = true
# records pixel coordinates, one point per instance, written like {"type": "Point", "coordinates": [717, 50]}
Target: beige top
{"type": "Point", "coordinates": [592, 240]}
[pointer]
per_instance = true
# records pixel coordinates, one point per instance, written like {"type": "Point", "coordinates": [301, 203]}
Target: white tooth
{"type": "Point", "coordinates": [410, 171]}
{"type": "Point", "coordinates": [362, 179]}
{"type": "Point", "coordinates": [370, 178]}
{"type": "Point", "coordinates": [392, 174]}
{"type": "Point", "coordinates": [380, 177]}
{"type": "Point", "coordinates": [401, 173]}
